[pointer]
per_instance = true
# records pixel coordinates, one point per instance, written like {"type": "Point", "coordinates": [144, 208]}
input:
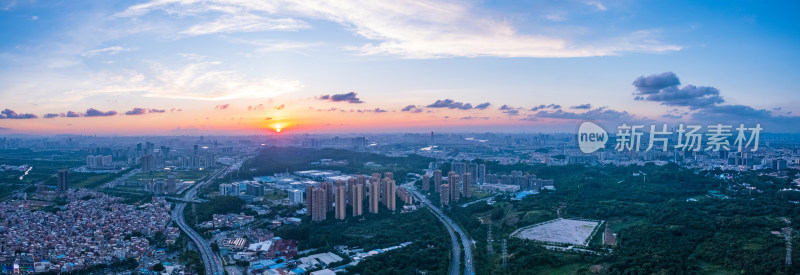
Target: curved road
{"type": "Point", "coordinates": [213, 266]}
{"type": "Point", "coordinates": [451, 226]}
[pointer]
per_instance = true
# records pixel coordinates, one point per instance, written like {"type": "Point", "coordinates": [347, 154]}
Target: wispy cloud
{"type": "Point", "coordinates": [195, 80]}
{"type": "Point", "coordinates": [109, 50]}
{"type": "Point", "coordinates": [597, 5]}
{"type": "Point", "coordinates": [419, 29]}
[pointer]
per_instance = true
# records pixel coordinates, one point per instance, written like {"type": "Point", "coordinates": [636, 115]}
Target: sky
{"type": "Point", "coordinates": [182, 67]}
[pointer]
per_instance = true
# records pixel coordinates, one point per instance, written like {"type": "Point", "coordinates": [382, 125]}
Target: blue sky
{"type": "Point", "coordinates": [188, 57]}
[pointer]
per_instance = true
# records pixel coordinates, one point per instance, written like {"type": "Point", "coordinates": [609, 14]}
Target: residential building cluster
{"type": "Point", "coordinates": [346, 196]}
{"type": "Point", "coordinates": [91, 229]}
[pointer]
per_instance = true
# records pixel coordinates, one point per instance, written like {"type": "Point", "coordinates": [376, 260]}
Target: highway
{"type": "Point", "coordinates": [451, 227]}
{"type": "Point", "coordinates": [213, 265]}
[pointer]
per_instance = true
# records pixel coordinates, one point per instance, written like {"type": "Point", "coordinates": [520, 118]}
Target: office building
{"type": "Point", "coordinates": [148, 162]}
{"type": "Point", "coordinates": [296, 196]}
{"type": "Point", "coordinates": [172, 183]}
{"type": "Point", "coordinates": [437, 180]}
{"type": "Point", "coordinates": [63, 181]}
{"type": "Point", "coordinates": [254, 189]}
{"type": "Point", "coordinates": [481, 174]}
{"type": "Point", "coordinates": [426, 181]}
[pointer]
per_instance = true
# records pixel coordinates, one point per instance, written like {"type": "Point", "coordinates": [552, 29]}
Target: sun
{"type": "Point", "coordinates": [278, 127]}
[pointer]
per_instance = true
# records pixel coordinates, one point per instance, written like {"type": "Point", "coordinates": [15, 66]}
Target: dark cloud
{"type": "Point", "coordinates": [506, 107]}
{"type": "Point", "coordinates": [411, 108]}
{"type": "Point", "coordinates": [450, 104]}
{"type": "Point", "coordinates": [582, 106]}
{"type": "Point", "coordinates": [71, 114]}
{"type": "Point", "coordinates": [549, 106]}
{"type": "Point", "coordinates": [10, 114]}
{"type": "Point", "coordinates": [379, 110]}
{"type": "Point", "coordinates": [92, 112]}
{"type": "Point", "coordinates": [511, 112]}
{"type": "Point", "coordinates": [222, 106]}
{"type": "Point", "coordinates": [51, 115]}
{"type": "Point", "coordinates": [672, 116]}
{"type": "Point", "coordinates": [136, 111]}
{"type": "Point", "coordinates": [663, 88]}
{"type": "Point", "coordinates": [350, 97]}
{"type": "Point", "coordinates": [474, 118]}
{"type": "Point", "coordinates": [141, 111]}
{"type": "Point", "coordinates": [483, 106]}
{"type": "Point", "coordinates": [656, 82]}
{"type": "Point", "coordinates": [596, 114]}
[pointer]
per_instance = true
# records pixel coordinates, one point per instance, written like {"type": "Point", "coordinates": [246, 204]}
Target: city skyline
{"type": "Point", "coordinates": [254, 67]}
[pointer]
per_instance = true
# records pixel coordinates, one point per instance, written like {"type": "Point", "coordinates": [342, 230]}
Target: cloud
{"type": "Point", "coordinates": [597, 5]}
{"type": "Point", "coordinates": [474, 118]}
{"type": "Point", "coordinates": [379, 110]}
{"type": "Point", "coordinates": [511, 112]}
{"type": "Point", "coordinates": [10, 114]}
{"type": "Point", "coordinates": [411, 108]}
{"type": "Point", "coordinates": [663, 88]}
{"type": "Point", "coordinates": [269, 118]}
{"type": "Point", "coordinates": [71, 114]}
{"type": "Point", "coordinates": [411, 29]}
{"type": "Point", "coordinates": [483, 106]}
{"type": "Point", "coordinates": [601, 113]}
{"type": "Point", "coordinates": [656, 82]}
{"type": "Point", "coordinates": [350, 97]}
{"type": "Point", "coordinates": [582, 106]}
{"type": "Point", "coordinates": [92, 112]}
{"type": "Point", "coordinates": [194, 80]}
{"type": "Point", "coordinates": [136, 111]}
{"type": "Point", "coordinates": [506, 107]}
{"type": "Point", "coordinates": [222, 106]}
{"type": "Point", "coordinates": [109, 50]}
{"type": "Point", "coordinates": [258, 107]}
{"type": "Point", "coordinates": [175, 110]}
{"type": "Point", "coordinates": [51, 115]}
{"type": "Point", "coordinates": [450, 104]}
{"type": "Point", "coordinates": [549, 106]}
{"type": "Point", "coordinates": [280, 107]}
{"type": "Point", "coordinates": [244, 22]}
{"type": "Point", "coordinates": [672, 116]}
{"type": "Point", "coordinates": [141, 111]}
